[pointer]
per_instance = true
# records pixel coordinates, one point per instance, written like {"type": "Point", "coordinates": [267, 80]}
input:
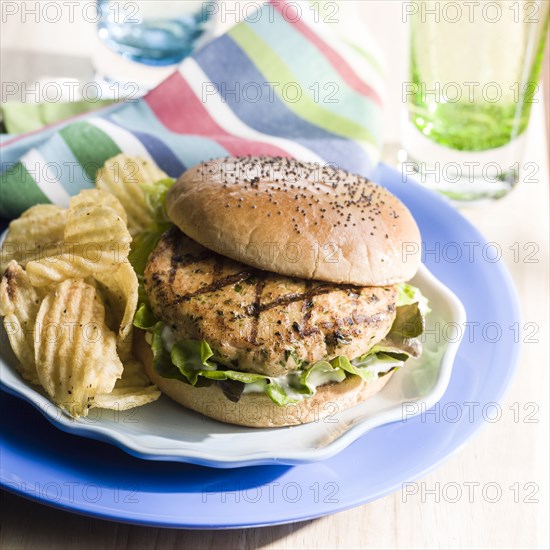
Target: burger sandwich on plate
{"type": "Point", "coordinates": [278, 293]}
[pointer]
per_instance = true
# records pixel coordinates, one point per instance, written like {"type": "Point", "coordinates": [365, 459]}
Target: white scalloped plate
{"type": "Point", "coordinates": [166, 431]}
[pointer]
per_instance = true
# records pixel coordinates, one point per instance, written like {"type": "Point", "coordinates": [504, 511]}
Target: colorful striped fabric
{"type": "Point", "coordinates": [277, 84]}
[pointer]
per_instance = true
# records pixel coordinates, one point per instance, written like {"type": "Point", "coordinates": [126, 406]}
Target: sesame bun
{"type": "Point", "coordinates": [256, 410]}
{"type": "Point", "coordinates": [297, 219]}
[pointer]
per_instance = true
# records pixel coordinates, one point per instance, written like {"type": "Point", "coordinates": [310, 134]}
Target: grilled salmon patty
{"type": "Point", "coordinates": [258, 321]}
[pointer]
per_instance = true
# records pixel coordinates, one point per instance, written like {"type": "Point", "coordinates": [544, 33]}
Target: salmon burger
{"type": "Point", "coordinates": [278, 293]}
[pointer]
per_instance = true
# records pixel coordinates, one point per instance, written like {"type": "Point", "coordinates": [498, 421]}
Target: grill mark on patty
{"type": "Point", "coordinates": [355, 299]}
{"type": "Point", "coordinates": [338, 322]}
{"type": "Point", "coordinates": [217, 269]}
{"type": "Point", "coordinates": [291, 298]}
{"type": "Point", "coordinates": [178, 257]}
{"type": "Point", "coordinates": [175, 260]}
{"type": "Point", "coordinates": [175, 252]}
{"type": "Point", "coordinates": [215, 285]}
{"type": "Point", "coordinates": [307, 311]}
{"type": "Point", "coordinates": [254, 311]}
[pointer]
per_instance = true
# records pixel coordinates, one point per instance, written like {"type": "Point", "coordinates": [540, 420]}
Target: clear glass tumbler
{"type": "Point", "coordinates": [154, 32]}
{"type": "Point", "coordinates": [474, 70]}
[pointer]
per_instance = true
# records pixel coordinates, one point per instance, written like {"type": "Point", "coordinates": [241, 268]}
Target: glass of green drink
{"type": "Point", "coordinates": [474, 70]}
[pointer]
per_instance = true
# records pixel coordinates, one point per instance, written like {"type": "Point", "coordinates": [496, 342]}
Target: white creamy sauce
{"type": "Point", "coordinates": [284, 382]}
{"type": "Point", "coordinates": [255, 387]}
{"type": "Point", "coordinates": [317, 378]}
{"type": "Point", "coordinates": [168, 338]}
{"type": "Point", "coordinates": [378, 365]}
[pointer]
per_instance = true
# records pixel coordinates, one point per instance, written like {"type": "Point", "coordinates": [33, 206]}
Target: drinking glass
{"type": "Point", "coordinates": [155, 32]}
{"type": "Point", "coordinates": [474, 70]}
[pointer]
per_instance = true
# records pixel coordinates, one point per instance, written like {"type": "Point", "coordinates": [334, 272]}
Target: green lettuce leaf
{"type": "Point", "coordinates": [408, 322]}
{"type": "Point", "coordinates": [322, 370]}
{"type": "Point", "coordinates": [143, 245]}
{"type": "Point", "coordinates": [162, 361]}
{"type": "Point", "coordinates": [191, 358]}
{"type": "Point", "coordinates": [277, 394]}
{"type": "Point", "coordinates": [404, 335]}
{"type": "Point", "coordinates": [155, 197]}
{"type": "Point", "coordinates": [408, 294]}
{"type": "Point", "coordinates": [146, 241]}
{"type": "Point", "coordinates": [369, 366]}
{"type": "Point", "coordinates": [387, 348]}
{"type": "Point", "coordinates": [144, 318]}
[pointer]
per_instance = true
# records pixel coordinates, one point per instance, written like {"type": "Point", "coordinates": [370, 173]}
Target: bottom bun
{"type": "Point", "coordinates": [257, 410]}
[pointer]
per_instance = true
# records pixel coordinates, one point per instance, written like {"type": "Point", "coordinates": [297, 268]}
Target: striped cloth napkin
{"type": "Point", "coordinates": [277, 84]}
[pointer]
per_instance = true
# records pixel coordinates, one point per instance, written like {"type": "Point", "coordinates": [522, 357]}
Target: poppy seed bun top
{"type": "Point", "coordinates": [297, 219]}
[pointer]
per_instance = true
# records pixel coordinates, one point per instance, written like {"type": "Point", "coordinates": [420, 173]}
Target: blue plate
{"type": "Point", "coordinates": [45, 464]}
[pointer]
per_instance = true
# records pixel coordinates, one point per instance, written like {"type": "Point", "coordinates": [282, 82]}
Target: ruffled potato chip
{"type": "Point", "coordinates": [134, 376]}
{"type": "Point", "coordinates": [69, 316]}
{"type": "Point", "coordinates": [122, 399]}
{"type": "Point", "coordinates": [95, 240]}
{"type": "Point", "coordinates": [124, 177]}
{"type": "Point", "coordinates": [35, 234]}
{"type": "Point", "coordinates": [19, 304]}
{"type": "Point", "coordinates": [120, 292]}
{"type": "Point", "coordinates": [75, 351]}
{"type": "Point", "coordinates": [132, 390]}
{"type": "Point", "coordinates": [100, 198]}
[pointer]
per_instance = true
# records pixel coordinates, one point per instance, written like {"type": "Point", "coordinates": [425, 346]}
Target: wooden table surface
{"type": "Point", "coordinates": [509, 456]}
